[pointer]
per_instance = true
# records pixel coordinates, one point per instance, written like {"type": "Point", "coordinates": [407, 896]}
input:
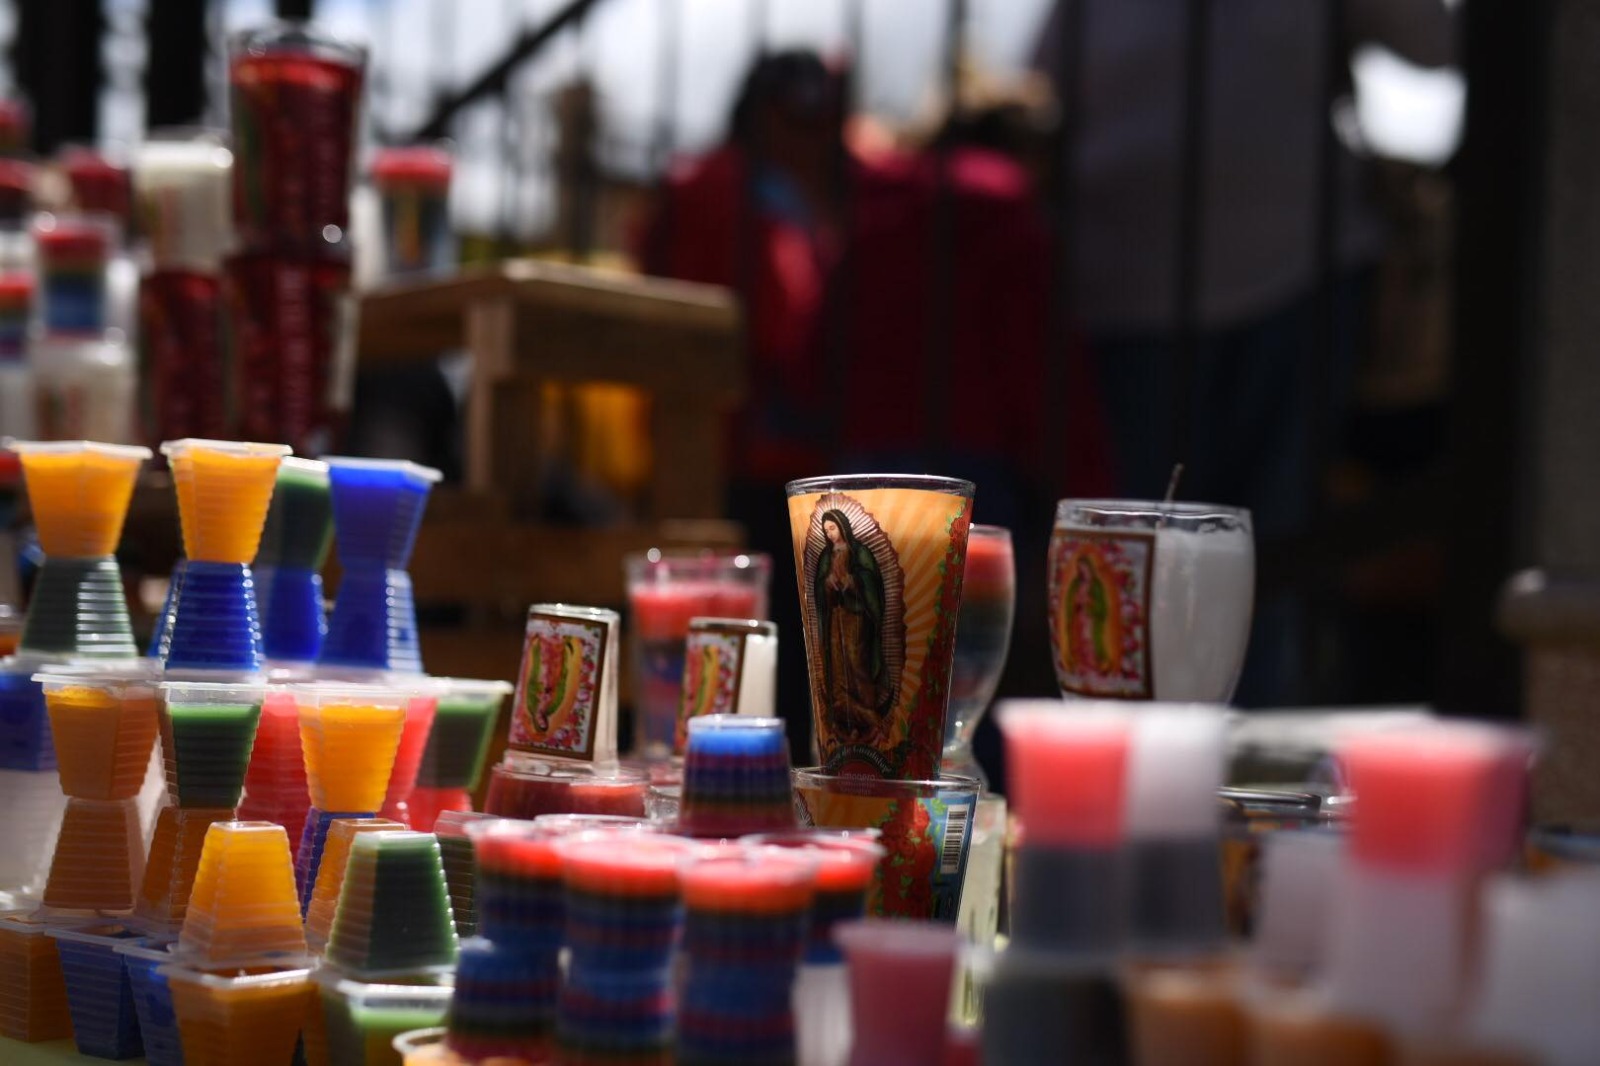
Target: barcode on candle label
{"type": "Point", "coordinates": [953, 845]}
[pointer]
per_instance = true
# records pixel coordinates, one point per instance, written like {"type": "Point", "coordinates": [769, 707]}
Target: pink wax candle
{"type": "Point", "coordinates": [1066, 766]}
{"type": "Point", "coordinates": [900, 975]}
{"type": "Point", "coordinates": [275, 780]}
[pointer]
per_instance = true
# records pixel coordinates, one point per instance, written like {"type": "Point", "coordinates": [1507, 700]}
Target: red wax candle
{"type": "Point", "coordinates": [1066, 765]}
{"type": "Point", "coordinates": [750, 880]}
{"type": "Point", "coordinates": [516, 850]}
{"type": "Point", "coordinates": [425, 805]}
{"type": "Point", "coordinates": [275, 780]}
{"type": "Point", "coordinates": [526, 794]}
{"type": "Point", "coordinates": [413, 741]}
{"type": "Point", "coordinates": [623, 863]}
{"type": "Point", "coordinates": [662, 612]}
{"type": "Point", "coordinates": [97, 183]}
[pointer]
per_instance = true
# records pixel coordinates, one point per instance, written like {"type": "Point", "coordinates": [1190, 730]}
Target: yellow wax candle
{"type": "Point", "coordinates": [243, 905]}
{"type": "Point", "coordinates": [104, 731]}
{"type": "Point", "coordinates": [349, 735]}
{"type": "Point", "coordinates": [79, 492]}
{"type": "Point", "coordinates": [224, 488]}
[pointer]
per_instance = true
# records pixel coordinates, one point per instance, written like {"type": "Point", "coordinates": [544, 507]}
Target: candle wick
{"type": "Point", "coordinates": [1172, 488]}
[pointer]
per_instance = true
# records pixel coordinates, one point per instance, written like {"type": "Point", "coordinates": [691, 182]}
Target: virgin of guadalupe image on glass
{"type": "Point", "coordinates": [856, 591]}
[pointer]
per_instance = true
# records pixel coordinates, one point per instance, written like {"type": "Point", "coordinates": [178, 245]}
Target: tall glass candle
{"type": "Point", "coordinates": [879, 559]}
{"type": "Point", "coordinates": [983, 640]}
{"type": "Point", "coordinates": [1150, 600]}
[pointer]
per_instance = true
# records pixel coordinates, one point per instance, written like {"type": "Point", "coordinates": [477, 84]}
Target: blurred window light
{"type": "Point", "coordinates": [1407, 112]}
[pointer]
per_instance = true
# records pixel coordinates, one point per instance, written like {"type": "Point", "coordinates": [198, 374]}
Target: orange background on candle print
{"type": "Point", "coordinates": [919, 525]}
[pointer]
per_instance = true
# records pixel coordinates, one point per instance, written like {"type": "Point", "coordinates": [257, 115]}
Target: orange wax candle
{"type": "Point", "coordinates": [349, 735]}
{"type": "Point", "coordinates": [254, 1020]}
{"type": "Point", "coordinates": [224, 488]}
{"type": "Point", "coordinates": [244, 905]}
{"type": "Point", "coordinates": [99, 857]}
{"type": "Point", "coordinates": [104, 731]}
{"type": "Point", "coordinates": [174, 860]}
{"type": "Point", "coordinates": [330, 873]}
{"type": "Point", "coordinates": [34, 1006]}
{"type": "Point", "coordinates": [79, 492]}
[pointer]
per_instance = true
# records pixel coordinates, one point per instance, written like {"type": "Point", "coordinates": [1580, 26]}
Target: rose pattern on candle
{"type": "Point", "coordinates": [1100, 613]}
{"type": "Point", "coordinates": [555, 712]}
{"type": "Point", "coordinates": [880, 586]}
{"type": "Point", "coordinates": [711, 678]}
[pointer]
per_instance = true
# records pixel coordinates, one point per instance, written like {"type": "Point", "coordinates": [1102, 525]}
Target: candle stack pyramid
{"type": "Point", "coordinates": [746, 914]}
{"type": "Point", "coordinates": [79, 491]}
{"type": "Point", "coordinates": [105, 727]}
{"type": "Point", "coordinates": [377, 508]}
{"type": "Point", "coordinates": [224, 489]}
{"type": "Point", "coordinates": [736, 777]}
{"type": "Point", "coordinates": [458, 745]}
{"type": "Point", "coordinates": [624, 906]}
{"type": "Point", "coordinates": [325, 892]}
{"type": "Point", "coordinates": [288, 565]}
{"type": "Point", "coordinates": [349, 734]}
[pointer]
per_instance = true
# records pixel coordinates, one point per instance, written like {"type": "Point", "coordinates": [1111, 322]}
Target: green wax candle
{"type": "Point", "coordinates": [394, 908]}
{"type": "Point", "coordinates": [299, 528]}
{"type": "Point", "coordinates": [459, 873]}
{"type": "Point", "coordinates": [364, 1019]}
{"type": "Point", "coordinates": [459, 742]}
{"type": "Point", "coordinates": [206, 747]}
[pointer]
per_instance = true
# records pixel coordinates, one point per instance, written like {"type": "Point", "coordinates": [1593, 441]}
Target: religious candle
{"type": "Point", "coordinates": [983, 640]}
{"type": "Point", "coordinates": [879, 559]}
{"type": "Point", "coordinates": [1150, 600]}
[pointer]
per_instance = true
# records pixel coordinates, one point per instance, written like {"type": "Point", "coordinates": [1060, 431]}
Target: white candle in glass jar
{"type": "Point", "coordinates": [1202, 591]}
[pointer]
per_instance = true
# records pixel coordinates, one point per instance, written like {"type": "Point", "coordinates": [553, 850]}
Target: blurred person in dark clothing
{"type": "Point", "coordinates": [1257, 313]}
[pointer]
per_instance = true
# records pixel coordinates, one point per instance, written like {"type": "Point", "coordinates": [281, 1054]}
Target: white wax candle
{"type": "Point", "coordinates": [1202, 591]}
{"type": "Point", "coordinates": [758, 681]}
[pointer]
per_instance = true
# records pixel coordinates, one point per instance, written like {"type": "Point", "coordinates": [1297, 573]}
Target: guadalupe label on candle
{"type": "Point", "coordinates": [713, 671]}
{"type": "Point", "coordinates": [880, 585]}
{"type": "Point", "coordinates": [1100, 612]}
{"type": "Point", "coordinates": [558, 707]}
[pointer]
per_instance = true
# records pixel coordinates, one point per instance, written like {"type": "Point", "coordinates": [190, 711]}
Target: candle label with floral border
{"type": "Point", "coordinates": [558, 708]}
{"type": "Point", "coordinates": [713, 672]}
{"type": "Point", "coordinates": [926, 840]}
{"type": "Point", "coordinates": [1100, 612]}
{"type": "Point", "coordinates": [880, 586]}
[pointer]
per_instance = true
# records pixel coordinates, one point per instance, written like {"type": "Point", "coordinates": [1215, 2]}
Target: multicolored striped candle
{"type": "Point", "coordinates": [746, 911]}
{"type": "Point", "coordinates": [736, 777]}
{"type": "Point", "coordinates": [846, 862]}
{"type": "Point", "coordinates": [623, 912]}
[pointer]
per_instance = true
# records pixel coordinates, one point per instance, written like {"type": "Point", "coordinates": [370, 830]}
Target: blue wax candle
{"type": "Point", "coordinates": [377, 507]}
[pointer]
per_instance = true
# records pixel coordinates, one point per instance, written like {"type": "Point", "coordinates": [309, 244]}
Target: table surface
{"type": "Point", "coordinates": [50, 1053]}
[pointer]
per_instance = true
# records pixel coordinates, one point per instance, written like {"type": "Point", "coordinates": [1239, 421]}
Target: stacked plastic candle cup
{"type": "Point", "coordinates": [746, 914]}
{"type": "Point", "coordinates": [377, 508]}
{"type": "Point", "coordinates": [846, 863]}
{"type": "Point", "coordinates": [623, 912]}
{"type": "Point", "coordinates": [458, 745]}
{"type": "Point", "coordinates": [736, 777]}
{"type": "Point", "coordinates": [105, 1023]}
{"type": "Point", "coordinates": [105, 729]}
{"type": "Point", "coordinates": [460, 865]}
{"type": "Point", "coordinates": [288, 566]}
{"type": "Point", "coordinates": [237, 980]}
{"type": "Point", "coordinates": [79, 491]}
{"type": "Point", "coordinates": [349, 734]}
{"type": "Point", "coordinates": [33, 1007]}
{"type": "Point", "coordinates": [900, 974]}
{"type": "Point", "coordinates": [224, 489]}
{"type": "Point", "coordinates": [421, 709]}
{"type": "Point", "coordinates": [275, 781]}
